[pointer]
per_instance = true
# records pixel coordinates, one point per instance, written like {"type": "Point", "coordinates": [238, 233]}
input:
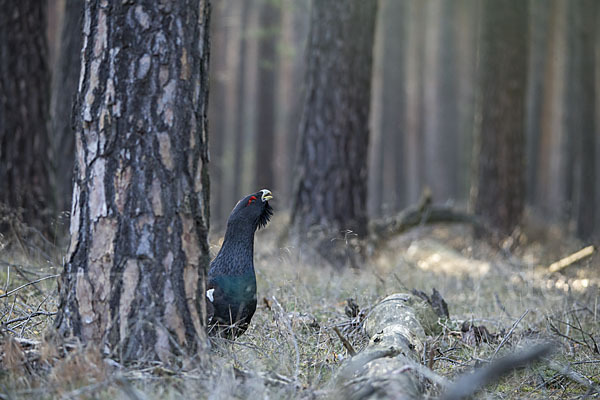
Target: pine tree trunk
{"type": "Point", "coordinates": [415, 110]}
{"type": "Point", "coordinates": [583, 113]}
{"type": "Point", "coordinates": [499, 191]}
{"type": "Point", "coordinates": [219, 79]}
{"type": "Point", "coordinates": [331, 186]}
{"type": "Point", "coordinates": [551, 171]}
{"type": "Point", "coordinates": [440, 129]}
{"type": "Point", "coordinates": [270, 28]}
{"type": "Point", "coordinates": [134, 280]}
{"type": "Point", "coordinates": [539, 33]}
{"type": "Point", "coordinates": [64, 90]}
{"type": "Point", "coordinates": [24, 101]}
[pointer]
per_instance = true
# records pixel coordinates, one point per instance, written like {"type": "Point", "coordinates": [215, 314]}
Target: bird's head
{"type": "Point", "coordinates": [253, 209]}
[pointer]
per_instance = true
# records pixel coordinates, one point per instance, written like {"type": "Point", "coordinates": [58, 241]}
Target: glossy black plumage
{"type": "Point", "coordinates": [231, 294]}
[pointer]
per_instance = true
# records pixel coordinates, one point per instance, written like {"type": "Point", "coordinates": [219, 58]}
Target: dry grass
{"type": "Point", "coordinates": [291, 349]}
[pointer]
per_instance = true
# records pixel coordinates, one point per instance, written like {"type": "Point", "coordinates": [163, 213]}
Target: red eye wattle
{"type": "Point", "coordinates": [252, 199]}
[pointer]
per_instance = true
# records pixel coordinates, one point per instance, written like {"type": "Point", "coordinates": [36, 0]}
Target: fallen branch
{"type": "Point", "coordinates": [575, 376]}
{"type": "Point", "coordinates": [419, 215]}
{"type": "Point", "coordinates": [571, 259]}
{"type": "Point", "coordinates": [28, 284]}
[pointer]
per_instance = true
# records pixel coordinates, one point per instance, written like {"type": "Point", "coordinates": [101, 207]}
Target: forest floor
{"type": "Point", "coordinates": [501, 299]}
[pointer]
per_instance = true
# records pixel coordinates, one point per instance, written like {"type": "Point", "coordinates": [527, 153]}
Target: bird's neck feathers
{"type": "Point", "coordinates": [239, 244]}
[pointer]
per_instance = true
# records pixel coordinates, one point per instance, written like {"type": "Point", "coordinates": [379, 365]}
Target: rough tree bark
{"type": "Point", "coordinates": [502, 67]}
{"type": "Point", "coordinates": [64, 90]}
{"type": "Point", "coordinates": [330, 190]}
{"type": "Point", "coordinates": [134, 279]}
{"type": "Point", "coordinates": [24, 101]}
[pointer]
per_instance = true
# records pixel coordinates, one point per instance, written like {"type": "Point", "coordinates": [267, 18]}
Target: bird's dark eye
{"type": "Point", "coordinates": [251, 200]}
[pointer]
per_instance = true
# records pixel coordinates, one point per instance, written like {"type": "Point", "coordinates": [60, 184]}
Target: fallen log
{"type": "Point", "coordinates": [389, 367]}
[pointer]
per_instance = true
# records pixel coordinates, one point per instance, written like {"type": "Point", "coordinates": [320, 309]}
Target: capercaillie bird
{"type": "Point", "coordinates": [231, 289]}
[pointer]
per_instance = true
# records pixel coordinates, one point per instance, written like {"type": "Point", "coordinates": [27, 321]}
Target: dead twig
{"type": "Point", "coordinates": [345, 342]}
{"type": "Point", "coordinates": [28, 284]}
{"type": "Point", "coordinates": [32, 315]}
{"type": "Point", "coordinates": [510, 332]}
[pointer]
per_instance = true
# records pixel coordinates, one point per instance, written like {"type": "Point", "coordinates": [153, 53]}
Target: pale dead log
{"type": "Point", "coordinates": [389, 367]}
{"type": "Point", "coordinates": [571, 259]}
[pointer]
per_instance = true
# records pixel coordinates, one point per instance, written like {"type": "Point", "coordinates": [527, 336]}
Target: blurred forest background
{"type": "Point", "coordinates": [423, 104]}
{"type": "Point", "coordinates": [423, 107]}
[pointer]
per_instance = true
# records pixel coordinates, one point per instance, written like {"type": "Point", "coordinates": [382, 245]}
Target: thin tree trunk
{"type": "Point", "coordinates": [331, 187]}
{"type": "Point", "coordinates": [24, 101]}
{"type": "Point", "coordinates": [268, 59]}
{"type": "Point", "coordinates": [502, 68]}
{"type": "Point", "coordinates": [538, 30]}
{"type": "Point", "coordinates": [242, 129]}
{"type": "Point", "coordinates": [583, 109]}
{"type": "Point", "coordinates": [134, 281]}
{"type": "Point", "coordinates": [291, 67]}
{"type": "Point", "coordinates": [440, 122]}
{"type": "Point", "coordinates": [220, 80]}
{"type": "Point", "coordinates": [551, 172]}
{"type": "Point", "coordinates": [466, 45]}
{"type": "Point", "coordinates": [64, 90]}
{"type": "Point", "coordinates": [375, 182]}
{"type": "Point", "coordinates": [414, 165]}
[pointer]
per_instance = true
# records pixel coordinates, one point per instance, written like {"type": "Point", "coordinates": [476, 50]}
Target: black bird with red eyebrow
{"type": "Point", "coordinates": [231, 290]}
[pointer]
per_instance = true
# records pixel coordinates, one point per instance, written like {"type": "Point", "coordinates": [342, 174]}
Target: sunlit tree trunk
{"type": "Point", "coordinates": [24, 102]}
{"type": "Point", "coordinates": [550, 193]}
{"type": "Point", "coordinates": [331, 185]}
{"type": "Point", "coordinates": [134, 279]}
{"type": "Point", "coordinates": [502, 67]}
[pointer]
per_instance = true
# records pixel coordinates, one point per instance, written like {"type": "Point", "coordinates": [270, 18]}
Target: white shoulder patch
{"type": "Point", "coordinates": [209, 294]}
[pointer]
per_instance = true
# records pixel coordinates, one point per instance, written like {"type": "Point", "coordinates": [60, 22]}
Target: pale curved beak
{"type": "Point", "coordinates": [266, 195]}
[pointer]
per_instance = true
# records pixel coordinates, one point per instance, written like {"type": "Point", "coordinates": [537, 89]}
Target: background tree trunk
{"type": "Point", "coordinates": [24, 101]}
{"type": "Point", "coordinates": [330, 189]}
{"type": "Point", "coordinates": [264, 145]}
{"type": "Point", "coordinates": [388, 109]}
{"type": "Point", "coordinates": [550, 196]}
{"type": "Point", "coordinates": [440, 129]}
{"type": "Point", "coordinates": [584, 17]}
{"type": "Point", "coordinates": [64, 89]}
{"type": "Point", "coordinates": [134, 281]}
{"type": "Point", "coordinates": [502, 68]}
{"type": "Point", "coordinates": [222, 38]}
